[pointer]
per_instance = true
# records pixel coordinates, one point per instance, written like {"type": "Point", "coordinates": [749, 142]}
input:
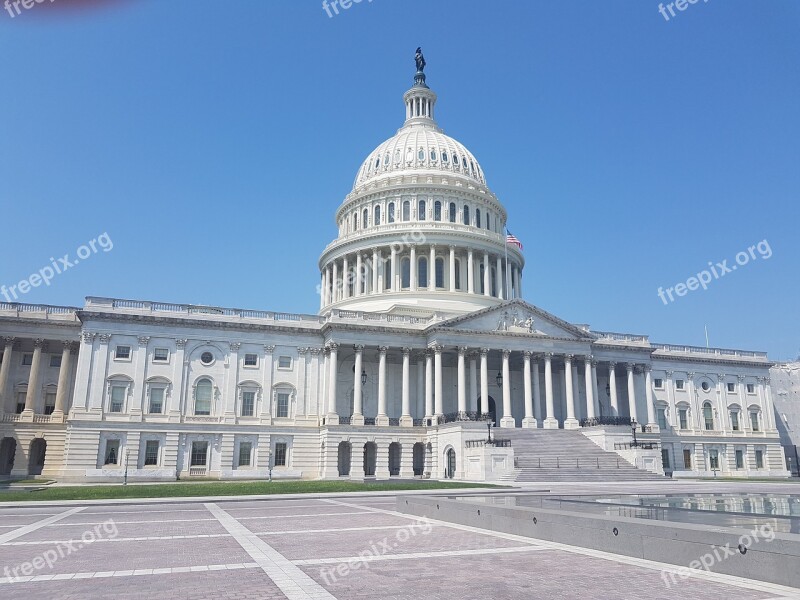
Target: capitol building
{"type": "Point", "coordinates": [423, 361]}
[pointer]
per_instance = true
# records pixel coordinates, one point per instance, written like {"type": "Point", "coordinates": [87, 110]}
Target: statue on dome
{"type": "Point", "coordinates": [420, 59]}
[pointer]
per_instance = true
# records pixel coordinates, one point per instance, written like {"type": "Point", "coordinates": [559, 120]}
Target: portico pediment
{"type": "Point", "coordinates": [516, 316]}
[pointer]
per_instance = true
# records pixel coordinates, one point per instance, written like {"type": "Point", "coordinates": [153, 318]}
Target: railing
{"type": "Point", "coordinates": [369, 420]}
{"type": "Point", "coordinates": [713, 351]}
{"type": "Point", "coordinates": [464, 416]}
{"type": "Point", "coordinates": [345, 420]}
{"type": "Point", "coordinates": [572, 462]}
{"type": "Point", "coordinates": [419, 423]}
{"type": "Point", "coordinates": [623, 337]}
{"type": "Point", "coordinates": [495, 442]}
{"type": "Point", "coordinates": [393, 422]}
{"type": "Point", "coordinates": [42, 311]}
{"type": "Point", "coordinates": [636, 445]}
{"type": "Point", "coordinates": [197, 471]}
{"type": "Point", "coordinates": [9, 418]}
{"type": "Point", "coordinates": [367, 316]}
{"type": "Point", "coordinates": [192, 309]}
{"type": "Point", "coordinates": [200, 419]}
{"type": "Point", "coordinates": [606, 420]}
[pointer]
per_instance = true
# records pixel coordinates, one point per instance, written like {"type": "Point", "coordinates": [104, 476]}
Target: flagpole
{"type": "Point", "coordinates": [505, 246]}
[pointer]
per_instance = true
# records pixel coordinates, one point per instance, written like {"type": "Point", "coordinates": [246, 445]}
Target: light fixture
{"type": "Point", "coordinates": [363, 377]}
{"type": "Point", "coordinates": [499, 379]}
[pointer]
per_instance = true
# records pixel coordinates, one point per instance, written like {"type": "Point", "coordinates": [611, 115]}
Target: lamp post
{"type": "Point", "coordinates": [499, 379]}
{"type": "Point", "coordinates": [269, 463]}
{"type": "Point", "coordinates": [489, 427]}
{"type": "Point", "coordinates": [125, 476]}
{"type": "Point", "coordinates": [633, 427]}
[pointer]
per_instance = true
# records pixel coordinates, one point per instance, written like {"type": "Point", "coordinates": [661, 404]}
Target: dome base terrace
{"type": "Point", "coordinates": [420, 303]}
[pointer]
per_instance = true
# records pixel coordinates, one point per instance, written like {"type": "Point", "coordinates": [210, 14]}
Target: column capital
{"type": "Point", "coordinates": [333, 346]}
{"type": "Point", "coordinates": [103, 338]}
{"type": "Point", "coordinates": [647, 368]}
{"type": "Point", "coordinates": [462, 350]}
{"type": "Point", "coordinates": [589, 358]}
{"type": "Point", "coordinates": [406, 351]}
{"type": "Point", "coordinates": [144, 340]}
{"type": "Point", "coordinates": [39, 343]}
{"type": "Point", "coordinates": [302, 350]}
{"type": "Point", "coordinates": [670, 374]}
{"type": "Point", "coordinates": [234, 346]}
{"type": "Point", "coordinates": [527, 354]}
{"type": "Point", "coordinates": [437, 348]}
{"type": "Point", "coordinates": [358, 348]}
{"type": "Point", "coordinates": [452, 246]}
{"type": "Point", "coordinates": [548, 356]}
{"type": "Point", "coordinates": [630, 366]}
{"type": "Point", "coordinates": [690, 375]}
{"type": "Point", "coordinates": [271, 349]}
{"type": "Point", "coordinates": [9, 340]}
{"type": "Point", "coordinates": [181, 343]}
{"type": "Point", "coordinates": [383, 350]}
{"type": "Point", "coordinates": [612, 365]}
{"type": "Point", "coordinates": [484, 351]}
{"type": "Point", "coordinates": [721, 377]}
{"type": "Point", "coordinates": [741, 378]}
{"type": "Point", "coordinates": [569, 357]}
{"type": "Point", "coordinates": [314, 351]}
{"type": "Point", "coordinates": [506, 353]}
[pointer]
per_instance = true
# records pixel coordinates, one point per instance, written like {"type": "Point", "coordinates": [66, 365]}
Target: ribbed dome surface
{"type": "Point", "coordinates": [417, 147]}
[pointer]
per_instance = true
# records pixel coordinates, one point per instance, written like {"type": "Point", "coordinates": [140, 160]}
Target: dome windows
{"type": "Point", "coordinates": [406, 211]}
{"type": "Point", "coordinates": [433, 154]}
{"type": "Point", "coordinates": [386, 160]}
{"type": "Point", "coordinates": [377, 215]}
{"type": "Point", "coordinates": [455, 160]}
{"type": "Point", "coordinates": [466, 215]}
{"type": "Point", "coordinates": [421, 155]}
{"type": "Point", "coordinates": [365, 219]}
{"type": "Point", "coordinates": [478, 218]}
{"type": "Point", "coordinates": [421, 210]}
{"type": "Point", "coordinates": [390, 213]}
{"type": "Point", "coordinates": [444, 157]}
{"type": "Point", "coordinates": [409, 156]}
{"type": "Point", "coordinates": [437, 211]}
{"type": "Point", "coordinates": [452, 211]}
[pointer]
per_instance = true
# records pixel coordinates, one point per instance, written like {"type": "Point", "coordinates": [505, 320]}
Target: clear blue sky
{"type": "Point", "coordinates": [214, 140]}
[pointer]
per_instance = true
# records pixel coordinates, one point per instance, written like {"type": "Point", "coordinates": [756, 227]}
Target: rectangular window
{"type": "Point", "coordinates": [151, 453]}
{"type": "Point", "coordinates": [679, 383]}
{"type": "Point", "coordinates": [665, 458]}
{"type": "Point", "coordinates": [156, 400]}
{"type": "Point", "coordinates": [754, 420]}
{"type": "Point", "coordinates": [659, 383]}
{"type": "Point", "coordinates": [199, 454]}
{"type": "Point", "coordinates": [251, 360]}
{"type": "Point", "coordinates": [739, 459]}
{"type": "Point", "coordinates": [662, 418]}
{"type": "Point", "coordinates": [248, 404]}
{"type": "Point", "coordinates": [27, 359]}
{"type": "Point", "coordinates": [161, 355]}
{"type": "Point", "coordinates": [280, 454]}
{"type": "Point", "coordinates": [112, 452]}
{"type": "Point", "coordinates": [21, 402]}
{"type": "Point", "coordinates": [117, 399]}
{"type": "Point", "coordinates": [202, 399]}
{"type": "Point", "coordinates": [731, 388]}
{"type": "Point", "coordinates": [713, 456]}
{"type": "Point", "coordinates": [282, 409]}
{"type": "Point", "coordinates": [284, 362]}
{"type": "Point", "coordinates": [122, 353]}
{"type": "Point", "coordinates": [687, 459]}
{"type": "Point", "coordinates": [735, 421]}
{"type": "Point", "coordinates": [683, 415]}
{"type": "Point", "coordinates": [49, 403]}
{"type": "Point", "coordinates": [751, 388]}
{"type": "Point", "coordinates": [55, 360]}
{"type": "Point", "coordinates": [245, 452]}
{"type": "Point", "coordinates": [759, 459]}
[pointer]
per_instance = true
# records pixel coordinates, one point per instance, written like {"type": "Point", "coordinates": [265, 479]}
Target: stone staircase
{"type": "Point", "coordinates": [565, 455]}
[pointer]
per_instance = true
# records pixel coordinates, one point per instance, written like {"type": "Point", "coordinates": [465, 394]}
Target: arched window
{"type": "Point", "coordinates": [387, 274]}
{"type": "Point", "coordinates": [406, 211]}
{"type": "Point", "coordinates": [488, 225]}
{"type": "Point", "coordinates": [458, 274]}
{"type": "Point", "coordinates": [708, 416]}
{"type": "Point", "coordinates": [377, 217]}
{"type": "Point", "coordinates": [422, 272]}
{"type": "Point", "coordinates": [466, 215]}
{"type": "Point", "coordinates": [478, 218]}
{"type": "Point", "coordinates": [439, 272]}
{"type": "Point", "coordinates": [390, 217]}
{"type": "Point", "coordinates": [203, 395]}
{"type": "Point", "coordinates": [355, 222]}
{"type": "Point", "coordinates": [452, 214]}
{"type": "Point", "coordinates": [444, 156]}
{"type": "Point", "coordinates": [405, 273]}
{"type": "Point", "coordinates": [437, 211]}
{"type": "Point", "coordinates": [365, 219]}
{"type": "Point", "coordinates": [421, 210]}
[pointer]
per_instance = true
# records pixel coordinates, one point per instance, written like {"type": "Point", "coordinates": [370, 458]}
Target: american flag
{"type": "Point", "coordinates": [511, 239]}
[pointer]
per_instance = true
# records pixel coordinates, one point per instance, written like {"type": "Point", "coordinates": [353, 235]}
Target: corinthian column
{"type": "Point", "coordinates": [507, 420]}
{"type": "Point", "coordinates": [462, 381]}
{"type": "Point", "coordinates": [550, 421]}
{"type": "Point", "coordinates": [5, 368]}
{"type": "Point", "coordinates": [383, 417]}
{"type": "Point", "coordinates": [570, 422]}
{"type": "Point", "coordinates": [358, 396]}
{"type": "Point", "coordinates": [591, 413]}
{"type": "Point", "coordinates": [632, 392]}
{"type": "Point", "coordinates": [33, 380]}
{"type": "Point", "coordinates": [63, 381]}
{"type": "Point", "coordinates": [528, 421]}
{"type": "Point", "coordinates": [438, 399]}
{"type": "Point", "coordinates": [332, 417]}
{"type": "Point", "coordinates": [405, 419]}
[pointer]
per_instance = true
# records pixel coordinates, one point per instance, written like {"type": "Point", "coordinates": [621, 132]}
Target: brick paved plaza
{"type": "Point", "coordinates": [344, 548]}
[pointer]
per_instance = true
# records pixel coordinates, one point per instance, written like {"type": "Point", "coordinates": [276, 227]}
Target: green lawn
{"type": "Point", "coordinates": [238, 488]}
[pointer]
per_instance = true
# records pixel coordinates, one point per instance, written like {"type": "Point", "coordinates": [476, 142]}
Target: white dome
{"type": "Point", "coordinates": [423, 148]}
